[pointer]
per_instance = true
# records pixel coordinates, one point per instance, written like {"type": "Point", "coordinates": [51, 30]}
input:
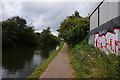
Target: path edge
{"type": "Point", "coordinates": [40, 70]}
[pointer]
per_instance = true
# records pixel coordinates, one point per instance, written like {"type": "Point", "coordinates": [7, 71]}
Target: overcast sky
{"type": "Point", "coordinates": [44, 14]}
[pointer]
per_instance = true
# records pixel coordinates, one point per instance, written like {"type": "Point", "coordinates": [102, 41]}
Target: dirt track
{"type": "Point", "coordinates": [60, 66]}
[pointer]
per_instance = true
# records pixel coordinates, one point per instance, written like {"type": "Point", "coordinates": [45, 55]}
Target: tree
{"type": "Point", "coordinates": [47, 38]}
{"type": "Point", "coordinates": [9, 32]}
{"type": "Point", "coordinates": [76, 13]}
{"type": "Point", "coordinates": [46, 31]}
{"type": "Point", "coordinates": [16, 32]}
{"type": "Point", "coordinates": [21, 23]}
{"type": "Point", "coordinates": [74, 29]}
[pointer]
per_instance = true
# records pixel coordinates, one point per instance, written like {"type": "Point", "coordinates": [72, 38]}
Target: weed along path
{"type": "Point", "coordinates": [60, 66]}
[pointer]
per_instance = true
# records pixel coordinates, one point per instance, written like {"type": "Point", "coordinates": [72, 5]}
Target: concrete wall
{"type": "Point", "coordinates": [108, 11]}
{"type": "Point", "coordinates": [108, 42]}
{"type": "Point", "coordinates": [107, 36]}
{"type": "Point", "coordinates": [105, 27]}
{"type": "Point", "coordinates": [94, 20]}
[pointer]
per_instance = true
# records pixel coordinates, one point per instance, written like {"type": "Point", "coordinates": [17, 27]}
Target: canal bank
{"type": "Point", "coordinates": [35, 75]}
{"type": "Point", "coordinates": [60, 66]}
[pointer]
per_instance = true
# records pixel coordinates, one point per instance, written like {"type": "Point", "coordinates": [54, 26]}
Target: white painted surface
{"type": "Point", "coordinates": [95, 6]}
{"type": "Point", "coordinates": [94, 20]}
{"type": "Point", "coordinates": [108, 11]}
{"type": "Point", "coordinates": [119, 8]}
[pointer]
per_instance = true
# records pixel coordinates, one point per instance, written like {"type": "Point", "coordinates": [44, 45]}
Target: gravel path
{"type": "Point", "coordinates": [60, 66]}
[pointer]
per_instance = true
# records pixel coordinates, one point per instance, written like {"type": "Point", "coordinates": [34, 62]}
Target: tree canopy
{"type": "Point", "coordinates": [74, 28]}
{"type": "Point", "coordinates": [46, 37]}
{"type": "Point", "coordinates": [15, 32]}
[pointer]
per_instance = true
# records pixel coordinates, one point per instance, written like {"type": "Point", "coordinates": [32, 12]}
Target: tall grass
{"type": "Point", "coordinates": [90, 62]}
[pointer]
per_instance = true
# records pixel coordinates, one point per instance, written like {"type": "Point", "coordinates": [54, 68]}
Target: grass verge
{"type": "Point", "coordinates": [44, 65]}
{"type": "Point", "coordinates": [90, 62]}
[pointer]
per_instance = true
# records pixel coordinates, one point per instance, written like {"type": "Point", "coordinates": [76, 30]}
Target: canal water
{"type": "Point", "coordinates": [20, 62]}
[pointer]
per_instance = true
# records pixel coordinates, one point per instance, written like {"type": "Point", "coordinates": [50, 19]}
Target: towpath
{"type": "Point", "coordinates": [60, 66]}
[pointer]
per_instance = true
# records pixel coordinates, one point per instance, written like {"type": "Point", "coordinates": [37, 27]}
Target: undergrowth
{"type": "Point", "coordinates": [90, 62]}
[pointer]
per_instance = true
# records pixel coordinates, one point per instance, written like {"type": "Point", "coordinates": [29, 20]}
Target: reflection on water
{"type": "Point", "coordinates": [20, 62]}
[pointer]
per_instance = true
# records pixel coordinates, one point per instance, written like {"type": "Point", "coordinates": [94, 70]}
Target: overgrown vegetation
{"type": "Point", "coordinates": [89, 62]}
{"type": "Point", "coordinates": [15, 32]}
{"type": "Point", "coordinates": [86, 60]}
{"type": "Point", "coordinates": [74, 29]}
{"type": "Point", "coordinates": [44, 65]}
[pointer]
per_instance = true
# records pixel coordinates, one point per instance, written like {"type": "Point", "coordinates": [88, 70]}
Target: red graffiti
{"type": "Point", "coordinates": [119, 49]}
{"type": "Point", "coordinates": [109, 41]}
